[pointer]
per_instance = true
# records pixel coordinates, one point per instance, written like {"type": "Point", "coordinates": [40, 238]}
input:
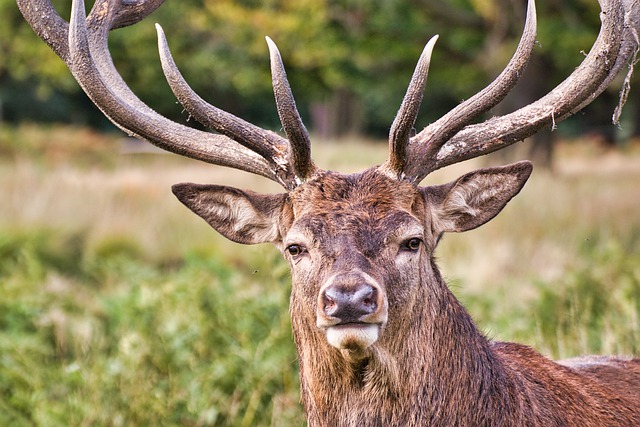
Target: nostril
{"type": "Point", "coordinates": [370, 301]}
{"type": "Point", "coordinates": [329, 305]}
{"type": "Point", "coordinates": [349, 304]}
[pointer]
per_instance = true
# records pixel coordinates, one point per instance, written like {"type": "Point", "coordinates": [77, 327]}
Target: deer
{"type": "Point", "coordinates": [380, 338]}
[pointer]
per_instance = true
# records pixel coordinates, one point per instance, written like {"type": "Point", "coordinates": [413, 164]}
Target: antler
{"type": "Point", "coordinates": [405, 119]}
{"type": "Point", "coordinates": [82, 45]}
{"type": "Point", "coordinates": [452, 139]}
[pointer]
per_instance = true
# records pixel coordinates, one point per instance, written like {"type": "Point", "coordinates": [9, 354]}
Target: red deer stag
{"type": "Point", "coordinates": [381, 340]}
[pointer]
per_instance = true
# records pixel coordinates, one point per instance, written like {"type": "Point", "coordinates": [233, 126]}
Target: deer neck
{"type": "Point", "coordinates": [406, 379]}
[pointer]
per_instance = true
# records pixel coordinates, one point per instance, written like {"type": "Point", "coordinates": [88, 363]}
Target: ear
{"type": "Point", "coordinates": [476, 197]}
{"type": "Point", "coordinates": [242, 216]}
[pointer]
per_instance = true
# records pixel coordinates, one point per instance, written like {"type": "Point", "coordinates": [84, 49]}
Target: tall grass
{"type": "Point", "coordinates": [103, 337]}
{"type": "Point", "coordinates": [120, 307]}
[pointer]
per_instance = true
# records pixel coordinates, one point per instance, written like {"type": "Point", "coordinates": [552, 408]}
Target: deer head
{"type": "Point", "coordinates": [366, 291]}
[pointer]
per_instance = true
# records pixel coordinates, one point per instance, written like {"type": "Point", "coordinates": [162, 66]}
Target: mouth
{"type": "Point", "coordinates": [353, 336]}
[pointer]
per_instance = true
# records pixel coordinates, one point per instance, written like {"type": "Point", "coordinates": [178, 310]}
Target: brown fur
{"type": "Point", "coordinates": [430, 365]}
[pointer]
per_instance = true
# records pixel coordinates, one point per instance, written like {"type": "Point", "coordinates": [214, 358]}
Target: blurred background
{"type": "Point", "coordinates": [120, 307]}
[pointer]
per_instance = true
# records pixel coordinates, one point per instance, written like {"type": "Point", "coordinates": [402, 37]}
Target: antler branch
{"type": "Point", "coordinates": [289, 117]}
{"type": "Point", "coordinates": [405, 119]}
{"type": "Point", "coordinates": [83, 46]}
{"type": "Point", "coordinates": [429, 141]}
{"type": "Point", "coordinates": [267, 144]}
{"type": "Point", "coordinates": [615, 45]}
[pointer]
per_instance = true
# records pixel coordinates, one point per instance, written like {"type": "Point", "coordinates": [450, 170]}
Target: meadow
{"type": "Point", "coordinates": [120, 307]}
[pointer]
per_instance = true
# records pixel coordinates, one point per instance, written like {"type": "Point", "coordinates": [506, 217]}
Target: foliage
{"type": "Point", "coordinates": [364, 49]}
{"type": "Point", "coordinates": [593, 308]}
{"type": "Point", "coordinates": [596, 304]}
{"type": "Point", "coordinates": [25, 58]}
{"type": "Point", "coordinates": [104, 337]}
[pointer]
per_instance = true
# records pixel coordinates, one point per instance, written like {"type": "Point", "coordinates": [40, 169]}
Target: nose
{"type": "Point", "coordinates": [349, 303]}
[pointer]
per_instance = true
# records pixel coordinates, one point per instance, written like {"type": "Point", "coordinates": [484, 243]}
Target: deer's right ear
{"type": "Point", "coordinates": [242, 216]}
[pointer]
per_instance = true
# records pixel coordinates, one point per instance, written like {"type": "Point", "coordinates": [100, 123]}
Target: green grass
{"type": "Point", "coordinates": [107, 338]}
{"type": "Point", "coordinates": [595, 306]}
{"type": "Point", "coordinates": [120, 307]}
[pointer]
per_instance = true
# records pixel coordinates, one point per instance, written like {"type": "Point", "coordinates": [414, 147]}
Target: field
{"type": "Point", "coordinates": [120, 307]}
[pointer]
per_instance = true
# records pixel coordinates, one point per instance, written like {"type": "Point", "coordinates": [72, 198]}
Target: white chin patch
{"type": "Point", "coordinates": [353, 335]}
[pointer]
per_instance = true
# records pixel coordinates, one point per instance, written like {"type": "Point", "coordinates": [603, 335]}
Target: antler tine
{"type": "Point", "coordinates": [428, 142]}
{"type": "Point", "coordinates": [289, 117]}
{"type": "Point", "coordinates": [268, 144]}
{"type": "Point", "coordinates": [54, 30]}
{"type": "Point", "coordinates": [615, 46]}
{"type": "Point", "coordinates": [133, 11]}
{"type": "Point", "coordinates": [402, 125]}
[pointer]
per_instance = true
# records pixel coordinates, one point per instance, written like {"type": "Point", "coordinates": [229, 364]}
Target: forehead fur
{"type": "Point", "coordinates": [369, 190]}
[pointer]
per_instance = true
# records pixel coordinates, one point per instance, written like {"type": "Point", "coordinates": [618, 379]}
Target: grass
{"type": "Point", "coordinates": [111, 339]}
{"type": "Point", "coordinates": [120, 307]}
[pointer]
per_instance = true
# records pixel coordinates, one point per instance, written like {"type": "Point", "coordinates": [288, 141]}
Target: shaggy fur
{"type": "Point", "coordinates": [430, 365]}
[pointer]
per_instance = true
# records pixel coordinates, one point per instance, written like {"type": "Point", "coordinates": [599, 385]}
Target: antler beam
{"type": "Point", "coordinates": [435, 135]}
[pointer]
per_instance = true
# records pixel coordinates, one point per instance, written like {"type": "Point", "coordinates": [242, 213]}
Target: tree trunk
{"type": "Point", "coordinates": [337, 116]}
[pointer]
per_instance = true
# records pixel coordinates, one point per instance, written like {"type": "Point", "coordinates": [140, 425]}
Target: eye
{"type": "Point", "coordinates": [412, 245]}
{"type": "Point", "coordinates": [296, 250]}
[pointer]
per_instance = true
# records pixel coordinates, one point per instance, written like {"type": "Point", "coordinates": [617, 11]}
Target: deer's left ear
{"type": "Point", "coordinates": [476, 197]}
{"type": "Point", "coordinates": [242, 216]}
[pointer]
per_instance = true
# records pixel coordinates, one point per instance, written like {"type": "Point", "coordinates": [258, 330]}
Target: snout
{"type": "Point", "coordinates": [349, 304]}
{"type": "Point", "coordinates": [352, 309]}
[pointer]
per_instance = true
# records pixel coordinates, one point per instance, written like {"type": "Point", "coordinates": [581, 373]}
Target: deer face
{"type": "Point", "coordinates": [360, 246]}
{"type": "Point", "coordinates": [354, 248]}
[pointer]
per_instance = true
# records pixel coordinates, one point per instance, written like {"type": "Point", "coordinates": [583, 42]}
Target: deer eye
{"type": "Point", "coordinates": [412, 244]}
{"type": "Point", "coordinates": [296, 250]}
